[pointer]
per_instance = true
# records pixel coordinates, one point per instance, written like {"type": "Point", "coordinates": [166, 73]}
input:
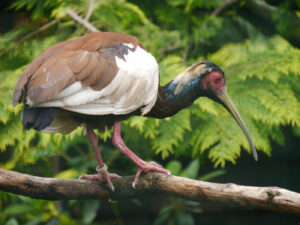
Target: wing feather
{"type": "Point", "coordinates": [78, 62]}
{"type": "Point", "coordinates": [53, 81]}
{"type": "Point", "coordinates": [76, 53]}
{"type": "Point", "coordinates": [92, 77]}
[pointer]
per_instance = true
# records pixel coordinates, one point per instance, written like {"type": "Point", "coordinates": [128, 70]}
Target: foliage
{"type": "Point", "coordinates": [24, 210]}
{"type": "Point", "coordinates": [262, 78]}
{"type": "Point", "coordinates": [181, 211]}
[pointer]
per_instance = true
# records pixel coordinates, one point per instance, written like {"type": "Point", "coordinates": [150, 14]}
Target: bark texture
{"type": "Point", "coordinates": [268, 198]}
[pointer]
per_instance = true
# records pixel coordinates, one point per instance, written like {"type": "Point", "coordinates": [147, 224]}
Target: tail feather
{"type": "Point", "coordinates": [38, 118]}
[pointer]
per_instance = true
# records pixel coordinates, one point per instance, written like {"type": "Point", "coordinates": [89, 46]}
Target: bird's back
{"type": "Point", "coordinates": [100, 73]}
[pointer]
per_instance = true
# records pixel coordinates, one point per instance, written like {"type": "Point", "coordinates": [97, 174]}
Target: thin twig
{"type": "Point", "coordinates": [169, 49]}
{"type": "Point", "coordinates": [42, 28]}
{"type": "Point", "coordinates": [223, 7]}
{"type": "Point", "coordinates": [90, 10]}
{"type": "Point", "coordinates": [85, 23]}
{"type": "Point", "coordinates": [268, 198]}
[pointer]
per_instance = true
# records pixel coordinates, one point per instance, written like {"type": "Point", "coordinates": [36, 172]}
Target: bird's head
{"type": "Point", "coordinates": [209, 80]}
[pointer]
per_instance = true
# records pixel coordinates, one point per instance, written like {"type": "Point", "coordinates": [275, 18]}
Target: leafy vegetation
{"type": "Point", "coordinates": [262, 73]}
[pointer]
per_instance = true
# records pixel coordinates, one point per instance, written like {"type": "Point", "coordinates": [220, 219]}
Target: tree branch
{"type": "Point", "coordinates": [30, 35]}
{"type": "Point", "coordinates": [266, 18]}
{"type": "Point", "coordinates": [71, 13]}
{"type": "Point", "coordinates": [269, 198]}
{"type": "Point", "coordinates": [269, 20]}
{"type": "Point", "coordinates": [90, 10]}
{"type": "Point", "coordinates": [85, 23]}
{"type": "Point", "coordinates": [224, 6]}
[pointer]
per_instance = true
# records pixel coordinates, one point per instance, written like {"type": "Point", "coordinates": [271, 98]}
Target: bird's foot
{"type": "Point", "coordinates": [146, 167]}
{"type": "Point", "coordinates": [102, 176]}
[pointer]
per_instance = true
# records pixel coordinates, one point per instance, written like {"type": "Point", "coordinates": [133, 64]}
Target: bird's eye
{"type": "Point", "coordinates": [219, 78]}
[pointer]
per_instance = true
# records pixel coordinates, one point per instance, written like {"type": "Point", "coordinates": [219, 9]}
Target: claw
{"type": "Point", "coordinates": [102, 177]}
{"type": "Point", "coordinates": [136, 179]}
{"type": "Point", "coordinates": [146, 167]}
{"type": "Point", "coordinates": [111, 186]}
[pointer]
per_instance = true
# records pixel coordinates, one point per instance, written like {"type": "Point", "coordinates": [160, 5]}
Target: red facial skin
{"type": "Point", "coordinates": [214, 81]}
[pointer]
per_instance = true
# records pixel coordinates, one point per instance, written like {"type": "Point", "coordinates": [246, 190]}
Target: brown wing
{"type": "Point", "coordinates": [89, 59]}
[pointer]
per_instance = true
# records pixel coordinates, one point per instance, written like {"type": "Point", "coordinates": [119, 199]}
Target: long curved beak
{"type": "Point", "coordinates": [226, 100]}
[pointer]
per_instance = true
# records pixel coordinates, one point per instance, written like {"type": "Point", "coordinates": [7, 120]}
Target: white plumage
{"type": "Point", "coordinates": [134, 86]}
{"type": "Point", "coordinates": [94, 80]}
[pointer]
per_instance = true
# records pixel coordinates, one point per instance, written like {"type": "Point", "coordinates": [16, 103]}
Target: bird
{"type": "Point", "coordinates": [103, 78]}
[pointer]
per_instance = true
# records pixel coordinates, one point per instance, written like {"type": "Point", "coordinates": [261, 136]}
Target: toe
{"type": "Point", "coordinates": [82, 176]}
{"type": "Point", "coordinates": [155, 164]}
{"type": "Point", "coordinates": [106, 177]}
{"type": "Point", "coordinates": [114, 175]}
{"type": "Point", "coordinates": [136, 179]}
{"type": "Point", "coordinates": [89, 177]}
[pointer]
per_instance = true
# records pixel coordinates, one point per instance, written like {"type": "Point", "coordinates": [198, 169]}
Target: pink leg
{"type": "Point", "coordinates": [141, 164]}
{"type": "Point", "coordinates": [102, 175]}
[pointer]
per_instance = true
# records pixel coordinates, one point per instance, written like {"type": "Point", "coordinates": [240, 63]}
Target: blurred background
{"type": "Point", "coordinates": [255, 42]}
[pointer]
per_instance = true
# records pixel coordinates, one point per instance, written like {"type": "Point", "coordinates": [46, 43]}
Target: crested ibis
{"type": "Point", "coordinates": [103, 78]}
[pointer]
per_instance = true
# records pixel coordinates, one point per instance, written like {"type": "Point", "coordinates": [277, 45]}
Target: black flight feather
{"type": "Point", "coordinates": [38, 118]}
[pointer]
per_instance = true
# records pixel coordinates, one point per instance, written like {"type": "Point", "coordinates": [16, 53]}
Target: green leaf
{"type": "Point", "coordinates": [35, 221]}
{"type": "Point", "coordinates": [184, 218]}
{"type": "Point", "coordinates": [18, 208]}
{"type": "Point", "coordinates": [192, 169]}
{"type": "Point", "coordinates": [163, 215]}
{"type": "Point", "coordinates": [67, 174]}
{"type": "Point", "coordinates": [174, 166]}
{"type": "Point", "coordinates": [12, 221]}
{"type": "Point", "coordinates": [212, 175]}
{"type": "Point", "coordinates": [171, 133]}
{"type": "Point", "coordinates": [90, 211]}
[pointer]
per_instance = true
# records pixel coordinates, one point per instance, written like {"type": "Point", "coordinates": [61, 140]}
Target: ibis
{"type": "Point", "coordinates": [102, 78]}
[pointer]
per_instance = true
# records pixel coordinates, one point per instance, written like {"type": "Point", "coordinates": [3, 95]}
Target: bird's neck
{"type": "Point", "coordinates": [173, 97]}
